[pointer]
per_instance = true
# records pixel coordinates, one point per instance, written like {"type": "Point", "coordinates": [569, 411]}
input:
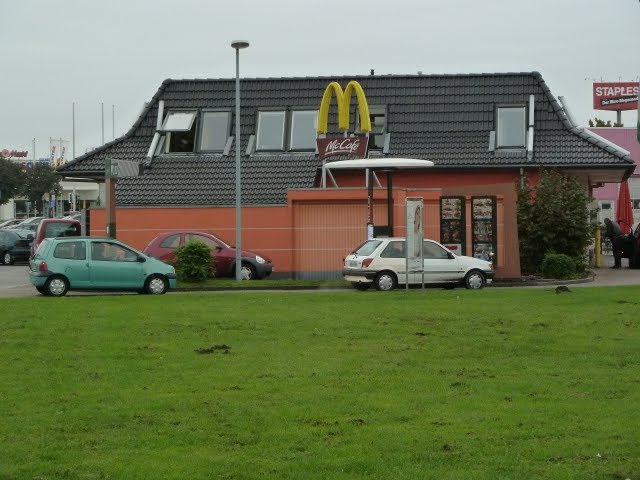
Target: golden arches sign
{"type": "Point", "coordinates": [344, 102]}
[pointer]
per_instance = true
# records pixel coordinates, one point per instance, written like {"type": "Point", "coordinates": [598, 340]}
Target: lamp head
{"type": "Point", "coordinates": [239, 44]}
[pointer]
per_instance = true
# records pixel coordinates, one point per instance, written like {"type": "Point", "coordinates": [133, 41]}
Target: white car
{"type": "Point", "coordinates": [382, 262]}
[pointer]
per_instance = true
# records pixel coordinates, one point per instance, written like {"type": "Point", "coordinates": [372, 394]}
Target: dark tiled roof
{"type": "Point", "coordinates": [443, 118]}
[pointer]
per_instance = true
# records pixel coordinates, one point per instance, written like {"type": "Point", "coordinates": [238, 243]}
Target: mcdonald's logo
{"type": "Point", "coordinates": [343, 145]}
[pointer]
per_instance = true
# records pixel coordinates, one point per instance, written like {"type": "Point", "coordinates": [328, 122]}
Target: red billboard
{"type": "Point", "coordinates": [615, 96]}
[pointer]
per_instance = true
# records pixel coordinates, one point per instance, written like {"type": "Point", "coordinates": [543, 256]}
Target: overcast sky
{"type": "Point", "coordinates": [118, 52]}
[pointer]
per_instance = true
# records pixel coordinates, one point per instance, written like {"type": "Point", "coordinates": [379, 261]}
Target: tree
{"type": "Point", "coordinates": [596, 122]}
{"type": "Point", "coordinates": [11, 179]}
{"type": "Point", "coordinates": [40, 179]}
{"type": "Point", "coordinates": [553, 217]}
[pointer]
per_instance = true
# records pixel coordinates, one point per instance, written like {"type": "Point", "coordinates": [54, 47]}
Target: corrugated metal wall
{"type": "Point", "coordinates": [325, 233]}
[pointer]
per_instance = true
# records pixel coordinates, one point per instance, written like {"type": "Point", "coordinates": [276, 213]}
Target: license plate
{"type": "Point", "coordinates": [353, 264]}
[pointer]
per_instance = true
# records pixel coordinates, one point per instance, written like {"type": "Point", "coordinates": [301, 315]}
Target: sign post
{"type": "Point", "coordinates": [414, 208]}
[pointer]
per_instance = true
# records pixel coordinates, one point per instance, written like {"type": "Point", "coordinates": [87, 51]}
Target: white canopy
{"type": "Point", "coordinates": [375, 163]}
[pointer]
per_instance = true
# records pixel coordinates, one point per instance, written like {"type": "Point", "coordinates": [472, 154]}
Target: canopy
{"type": "Point", "coordinates": [624, 211]}
{"type": "Point", "coordinates": [382, 163]}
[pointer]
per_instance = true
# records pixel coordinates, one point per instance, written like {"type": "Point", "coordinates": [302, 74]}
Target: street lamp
{"type": "Point", "coordinates": [238, 45]}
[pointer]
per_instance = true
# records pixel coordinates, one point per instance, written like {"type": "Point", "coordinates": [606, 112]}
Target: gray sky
{"type": "Point", "coordinates": [118, 52]}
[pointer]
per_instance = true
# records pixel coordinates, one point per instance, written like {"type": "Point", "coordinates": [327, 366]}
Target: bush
{"type": "Point", "coordinates": [558, 265]}
{"type": "Point", "coordinates": [194, 262]}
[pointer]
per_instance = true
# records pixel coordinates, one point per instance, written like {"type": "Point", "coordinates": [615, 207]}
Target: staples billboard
{"type": "Point", "coordinates": [344, 145]}
{"type": "Point", "coordinates": [615, 96]}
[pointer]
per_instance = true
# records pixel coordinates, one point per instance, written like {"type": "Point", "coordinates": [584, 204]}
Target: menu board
{"type": "Point", "coordinates": [452, 224]}
{"type": "Point", "coordinates": [483, 218]}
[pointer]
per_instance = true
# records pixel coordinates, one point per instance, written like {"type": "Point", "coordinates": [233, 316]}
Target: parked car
{"type": "Point", "coordinates": [9, 223]}
{"type": "Point", "coordinates": [254, 266]}
{"type": "Point", "coordinates": [14, 246]}
{"type": "Point", "coordinates": [55, 227]}
{"type": "Point", "coordinates": [381, 262]}
{"type": "Point", "coordinates": [29, 223]}
{"type": "Point", "coordinates": [91, 263]}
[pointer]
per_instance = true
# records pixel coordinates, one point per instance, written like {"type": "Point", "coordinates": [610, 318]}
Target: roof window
{"type": "Point", "coordinates": [511, 127]}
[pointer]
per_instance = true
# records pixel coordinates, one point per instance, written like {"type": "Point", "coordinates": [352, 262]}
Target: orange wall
{"type": "Point", "coordinates": [318, 227]}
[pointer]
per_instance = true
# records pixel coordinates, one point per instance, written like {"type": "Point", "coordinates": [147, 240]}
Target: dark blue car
{"type": "Point", "coordinates": [14, 246]}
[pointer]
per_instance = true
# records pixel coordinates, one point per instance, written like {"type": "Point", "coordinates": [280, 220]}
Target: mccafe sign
{"type": "Point", "coordinates": [13, 153]}
{"type": "Point", "coordinates": [344, 145]}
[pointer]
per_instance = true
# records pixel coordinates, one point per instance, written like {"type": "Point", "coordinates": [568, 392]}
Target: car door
{"type": "Point", "coordinates": [392, 257]}
{"type": "Point", "coordinates": [166, 250]}
{"type": "Point", "coordinates": [439, 266]}
{"type": "Point", "coordinates": [72, 258]}
{"type": "Point", "coordinates": [113, 266]}
{"type": "Point", "coordinates": [223, 261]}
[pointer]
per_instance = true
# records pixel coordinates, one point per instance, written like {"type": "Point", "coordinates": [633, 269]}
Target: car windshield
{"type": "Point", "coordinates": [367, 248]}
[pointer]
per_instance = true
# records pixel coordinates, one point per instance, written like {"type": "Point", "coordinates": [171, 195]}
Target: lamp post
{"type": "Point", "coordinates": [238, 45]}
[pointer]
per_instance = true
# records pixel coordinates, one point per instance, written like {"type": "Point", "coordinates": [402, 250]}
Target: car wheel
{"type": "Point", "coordinates": [7, 258]}
{"type": "Point", "coordinates": [247, 272]}
{"type": "Point", "coordinates": [56, 286]}
{"type": "Point", "coordinates": [156, 285]}
{"type": "Point", "coordinates": [362, 286]}
{"type": "Point", "coordinates": [385, 281]}
{"type": "Point", "coordinates": [474, 280]}
{"type": "Point", "coordinates": [41, 290]}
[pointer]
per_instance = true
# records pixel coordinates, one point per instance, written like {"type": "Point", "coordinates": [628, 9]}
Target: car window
{"type": "Point", "coordinates": [433, 251]}
{"type": "Point", "coordinates": [111, 252]}
{"type": "Point", "coordinates": [367, 247]}
{"type": "Point", "coordinates": [172, 241]}
{"type": "Point", "coordinates": [201, 238]}
{"type": "Point", "coordinates": [65, 229]}
{"type": "Point", "coordinates": [395, 249]}
{"type": "Point", "coordinates": [70, 250]}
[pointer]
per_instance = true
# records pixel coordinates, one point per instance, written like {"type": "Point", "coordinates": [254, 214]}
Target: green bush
{"type": "Point", "coordinates": [194, 262]}
{"type": "Point", "coordinates": [558, 265]}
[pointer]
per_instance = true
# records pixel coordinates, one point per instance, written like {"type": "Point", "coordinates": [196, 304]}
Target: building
{"type": "Point", "coordinates": [484, 133]}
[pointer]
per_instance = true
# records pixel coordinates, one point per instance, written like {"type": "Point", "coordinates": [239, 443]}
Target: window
{"type": "Point", "coordinates": [215, 131]}
{"type": "Point", "coordinates": [511, 127]}
{"type": "Point", "coordinates": [434, 252]}
{"type": "Point", "coordinates": [110, 252]}
{"type": "Point", "coordinates": [303, 129]}
{"type": "Point", "coordinates": [201, 238]}
{"type": "Point", "coordinates": [70, 250]}
{"type": "Point", "coordinates": [270, 135]}
{"type": "Point", "coordinates": [393, 250]}
{"type": "Point", "coordinates": [61, 229]}
{"type": "Point", "coordinates": [181, 131]}
{"type": "Point", "coordinates": [172, 241]}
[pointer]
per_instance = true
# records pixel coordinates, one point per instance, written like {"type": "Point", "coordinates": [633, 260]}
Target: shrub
{"type": "Point", "coordinates": [194, 262]}
{"type": "Point", "coordinates": [558, 265]}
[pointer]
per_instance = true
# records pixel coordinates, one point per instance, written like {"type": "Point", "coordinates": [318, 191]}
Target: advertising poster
{"type": "Point", "coordinates": [452, 224]}
{"type": "Point", "coordinates": [415, 233]}
{"type": "Point", "coordinates": [483, 215]}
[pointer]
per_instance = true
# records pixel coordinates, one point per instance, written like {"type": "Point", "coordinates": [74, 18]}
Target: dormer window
{"type": "Point", "coordinates": [303, 129]}
{"type": "Point", "coordinates": [511, 127]}
{"type": "Point", "coordinates": [180, 129]}
{"type": "Point", "coordinates": [378, 118]}
{"type": "Point", "coordinates": [270, 133]}
{"type": "Point", "coordinates": [215, 131]}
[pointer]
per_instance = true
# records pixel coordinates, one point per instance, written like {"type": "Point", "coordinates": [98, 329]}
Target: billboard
{"type": "Point", "coordinates": [356, 145]}
{"type": "Point", "coordinates": [58, 151]}
{"type": "Point", "coordinates": [615, 95]}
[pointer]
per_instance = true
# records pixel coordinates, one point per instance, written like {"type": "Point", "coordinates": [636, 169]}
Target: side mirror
{"type": "Point", "coordinates": [30, 236]}
{"type": "Point", "coordinates": [141, 259]}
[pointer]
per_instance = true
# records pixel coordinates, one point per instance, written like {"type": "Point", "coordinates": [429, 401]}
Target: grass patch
{"type": "Point", "coordinates": [499, 383]}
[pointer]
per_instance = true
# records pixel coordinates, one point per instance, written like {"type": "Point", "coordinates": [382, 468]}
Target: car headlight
{"type": "Point", "coordinates": [259, 259]}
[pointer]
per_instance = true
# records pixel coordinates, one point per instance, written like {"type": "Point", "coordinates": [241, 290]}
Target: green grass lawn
{"type": "Point", "coordinates": [492, 384]}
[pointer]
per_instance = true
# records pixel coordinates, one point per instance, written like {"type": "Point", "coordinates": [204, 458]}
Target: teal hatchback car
{"type": "Point", "coordinates": [90, 263]}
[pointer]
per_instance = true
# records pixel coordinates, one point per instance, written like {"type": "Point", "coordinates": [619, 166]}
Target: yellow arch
{"type": "Point", "coordinates": [343, 100]}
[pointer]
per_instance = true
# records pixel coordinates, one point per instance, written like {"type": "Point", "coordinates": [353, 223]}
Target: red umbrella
{"type": "Point", "coordinates": [624, 211]}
